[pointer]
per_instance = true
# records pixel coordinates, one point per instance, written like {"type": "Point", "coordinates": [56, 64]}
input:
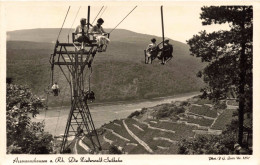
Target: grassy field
{"type": "Point", "coordinates": [201, 122]}
{"type": "Point", "coordinates": [120, 130]}
{"type": "Point", "coordinates": [181, 130]}
{"type": "Point", "coordinates": [223, 119]}
{"type": "Point", "coordinates": [204, 111]}
{"type": "Point", "coordinates": [148, 136]}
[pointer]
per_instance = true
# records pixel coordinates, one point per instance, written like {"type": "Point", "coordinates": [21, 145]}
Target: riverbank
{"type": "Point", "coordinates": [56, 118]}
{"type": "Point", "coordinates": [133, 101]}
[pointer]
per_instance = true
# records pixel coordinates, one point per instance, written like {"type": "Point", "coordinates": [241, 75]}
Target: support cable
{"type": "Point", "coordinates": [123, 19]}
{"type": "Point", "coordinates": [62, 101]}
{"type": "Point", "coordinates": [56, 45]}
{"type": "Point", "coordinates": [84, 77]}
{"type": "Point", "coordinates": [89, 78]}
{"type": "Point", "coordinates": [97, 14]}
{"type": "Point", "coordinates": [73, 22]}
{"type": "Point", "coordinates": [63, 23]}
{"type": "Point", "coordinates": [47, 91]}
{"type": "Point", "coordinates": [103, 12]}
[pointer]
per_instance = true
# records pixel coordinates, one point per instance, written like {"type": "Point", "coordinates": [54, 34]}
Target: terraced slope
{"type": "Point", "coordinates": [147, 132]}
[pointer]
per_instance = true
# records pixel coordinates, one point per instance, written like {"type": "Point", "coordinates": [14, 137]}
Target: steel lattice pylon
{"type": "Point", "coordinates": [72, 64]}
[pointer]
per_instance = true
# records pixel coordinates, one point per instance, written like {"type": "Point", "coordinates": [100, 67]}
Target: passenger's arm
{"type": "Point", "coordinates": [76, 30]}
{"type": "Point", "coordinates": [103, 31]}
{"type": "Point", "coordinates": [148, 47]}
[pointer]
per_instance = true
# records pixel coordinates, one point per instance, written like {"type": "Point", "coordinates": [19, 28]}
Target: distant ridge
{"type": "Point", "coordinates": [118, 37]}
{"type": "Point", "coordinates": [118, 74]}
{"type": "Point", "coordinates": [50, 35]}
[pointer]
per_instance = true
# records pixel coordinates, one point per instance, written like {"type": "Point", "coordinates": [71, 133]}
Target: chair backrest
{"type": "Point", "coordinates": [73, 37]}
{"type": "Point", "coordinates": [166, 53]}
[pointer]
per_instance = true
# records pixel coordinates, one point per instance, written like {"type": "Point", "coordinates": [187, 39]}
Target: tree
{"type": "Point", "coordinates": [229, 56]}
{"type": "Point", "coordinates": [23, 135]}
{"type": "Point", "coordinates": [211, 144]}
{"type": "Point", "coordinates": [114, 150]}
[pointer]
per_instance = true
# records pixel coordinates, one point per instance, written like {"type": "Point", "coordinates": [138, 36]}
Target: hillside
{"type": "Point", "coordinates": [159, 129]}
{"type": "Point", "coordinates": [118, 74]}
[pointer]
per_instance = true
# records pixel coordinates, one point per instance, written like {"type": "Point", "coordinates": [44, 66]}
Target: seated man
{"type": "Point", "coordinates": [81, 33]}
{"type": "Point", "coordinates": [55, 89]}
{"type": "Point", "coordinates": [100, 35]}
{"type": "Point", "coordinates": [89, 95]}
{"type": "Point", "coordinates": [167, 51]}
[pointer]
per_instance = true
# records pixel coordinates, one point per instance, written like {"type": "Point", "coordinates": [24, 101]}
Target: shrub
{"type": "Point", "coordinates": [184, 103]}
{"type": "Point", "coordinates": [223, 144]}
{"type": "Point", "coordinates": [135, 113]}
{"type": "Point", "coordinates": [168, 110]}
{"type": "Point", "coordinates": [179, 110]}
{"type": "Point", "coordinates": [114, 150]}
{"type": "Point", "coordinates": [220, 105]}
{"type": "Point", "coordinates": [144, 110]}
{"type": "Point", "coordinates": [164, 112]}
{"type": "Point", "coordinates": [210, 144]}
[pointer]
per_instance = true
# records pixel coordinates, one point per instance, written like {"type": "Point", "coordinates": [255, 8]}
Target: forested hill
{"type": "Point", "coordinates": [118, 74]}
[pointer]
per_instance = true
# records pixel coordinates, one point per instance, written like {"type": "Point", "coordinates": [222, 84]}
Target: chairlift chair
{"type": "Point", "coordinates": [92, 40]}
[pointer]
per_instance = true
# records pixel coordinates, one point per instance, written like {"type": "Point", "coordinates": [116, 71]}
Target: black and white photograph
{"type": "Point", "coordinates": [128, 82]}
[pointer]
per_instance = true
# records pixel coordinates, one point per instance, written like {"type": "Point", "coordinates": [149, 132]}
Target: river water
{"type": "Point", "coordinates": [56, 118]}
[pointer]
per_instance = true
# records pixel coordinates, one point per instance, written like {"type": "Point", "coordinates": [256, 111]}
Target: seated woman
{"type": "Point", "coordinates": [100, 35]}
{"type": "Point", "coordinates": [152, 50]}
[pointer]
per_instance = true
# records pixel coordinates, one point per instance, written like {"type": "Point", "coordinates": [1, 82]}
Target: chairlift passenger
{"type": "Point", "coordinates": [152, 50]}
{"type": "Point", "coordinates": [167, 51]}
{"type": "Point", "coordinates": [89, 95]}
{"type": "Point", "coordinates": [100, 35]}
{"type": "Point", "coordinates": [55, 89]}
{"type": "Point", "coordinates": [81, 33]}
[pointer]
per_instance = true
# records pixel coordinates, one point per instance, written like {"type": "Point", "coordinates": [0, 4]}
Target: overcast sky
{"type": "Point", "coordinates": [181, 20]}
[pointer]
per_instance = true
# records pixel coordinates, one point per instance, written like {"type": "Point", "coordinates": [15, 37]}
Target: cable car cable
{"type": "Point", "coordinates": [98, 14]}
{"type": "Point", "coordinates": [123, 19]}
{"type": "Point", "coordinates": [56, 45]}
{"type": "Point", "coordinates": [103, 11]}
{"type": "Point", "coordinates": [73, 22]}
